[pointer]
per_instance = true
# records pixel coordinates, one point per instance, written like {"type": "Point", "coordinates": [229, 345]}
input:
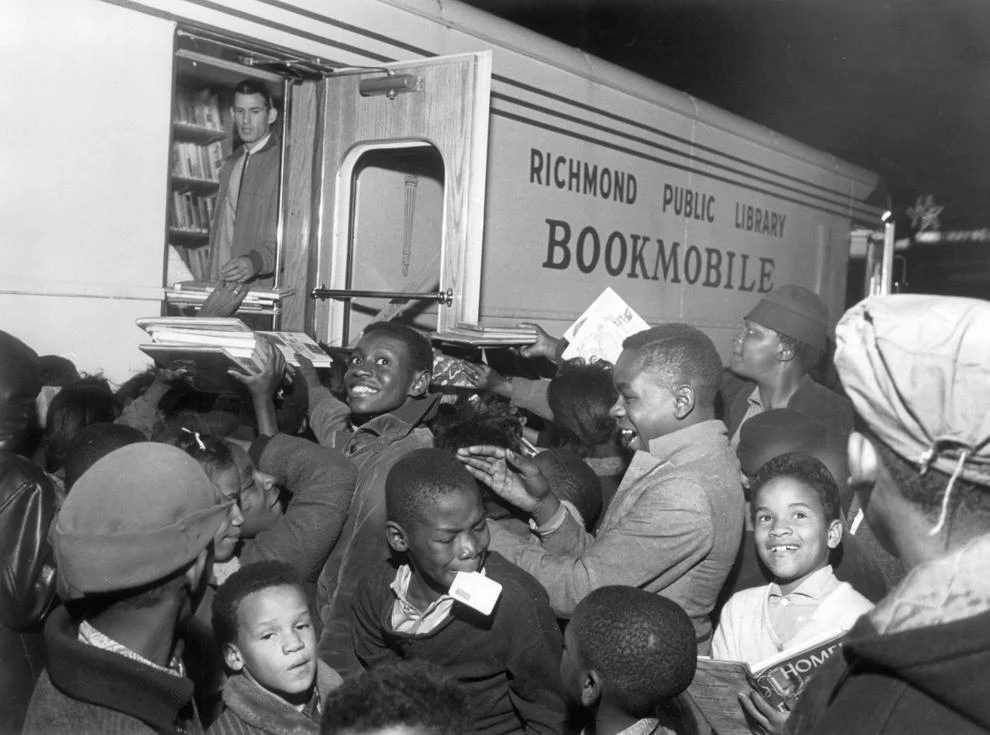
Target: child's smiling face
{"type": "Point", "coordinates": [452, 537]}
{"type": "Point", "coordinates": [276, 642]}
{"type": "Point", "coordinates": [793, 536]}
{"type": "Point", "coordinates": [645, 409]}
{"type": "Point", "coordinates": [379, 376]}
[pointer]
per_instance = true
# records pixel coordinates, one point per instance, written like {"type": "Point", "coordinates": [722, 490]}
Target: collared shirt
{"type": "Point", "coordinates": [788, 613]}
{"type": "Point", "coordinates": [258, 145]}
{"type": "Point", "coordinates": [92, 637]}
{"type": "Point", "coordinates": [754, 406]}
{"type": "Point", "coordinates": [406, 617]}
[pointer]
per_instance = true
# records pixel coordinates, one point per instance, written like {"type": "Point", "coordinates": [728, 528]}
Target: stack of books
{"type": "Point", "coordinates": [206, 349]}
{"type": "Point", "coordinates": [477, 335]}
{"type": "Point", "coordinates": [194, 293]}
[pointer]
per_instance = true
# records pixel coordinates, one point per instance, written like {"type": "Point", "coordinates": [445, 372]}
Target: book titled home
{"type": "Point", "coordinates": [780, 679]}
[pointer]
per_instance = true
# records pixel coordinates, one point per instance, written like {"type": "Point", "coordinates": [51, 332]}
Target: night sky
{"type": "Point", "coordinates": [899, 87]}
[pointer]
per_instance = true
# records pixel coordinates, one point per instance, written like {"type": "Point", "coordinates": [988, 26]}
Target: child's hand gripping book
{"type": "Point", "coordinates": [779, 679]}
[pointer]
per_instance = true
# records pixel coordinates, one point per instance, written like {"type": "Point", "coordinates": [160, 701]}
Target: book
{"type": "Point", "coordinates": [477, 335]}
{"type": "Point", "coordinates": [780, 679]}
{"type": "Point", "coordinates": [194, 293]}
{"type": "Point", "coordinates": [599, 332]}
{"type": "Point", "coordinates": [207, 347]}
{"type": "Point", "coordinates": [205, 367]}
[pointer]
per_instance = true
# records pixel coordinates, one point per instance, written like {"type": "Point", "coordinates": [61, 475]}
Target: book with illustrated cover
{"type": "Point", "coordinates": [599, 332]}
{"type": "Point", "coordinates": [780, 679]}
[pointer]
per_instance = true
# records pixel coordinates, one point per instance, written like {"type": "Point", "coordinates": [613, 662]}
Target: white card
{"type": "Point", "coordinates": [476, 591]}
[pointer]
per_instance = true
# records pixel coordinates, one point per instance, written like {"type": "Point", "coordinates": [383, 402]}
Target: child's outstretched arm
{"type": "Point", "coordinates": [328, 417]}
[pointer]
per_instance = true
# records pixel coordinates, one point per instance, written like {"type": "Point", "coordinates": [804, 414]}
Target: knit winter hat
{"type": "Point", "coordinates": [135, 516]}
{"type": "Point", "coordinates": [917, 369]}
{"type": "Point", "coordinates": [795, 312]}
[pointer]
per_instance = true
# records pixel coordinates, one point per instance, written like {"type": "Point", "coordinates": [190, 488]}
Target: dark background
{"type": "Point", "coordinates": [900, 87]}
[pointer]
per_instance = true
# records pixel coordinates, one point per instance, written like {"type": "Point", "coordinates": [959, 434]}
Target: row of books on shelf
{"type": "Point", "coordinates": [192, 211]}
{"type": "Point", "coordinates": [199, 107]}
{"type": "Point", "coordinates": [196, 260]}
{"type": "Point", "coordinates": [197, 161]}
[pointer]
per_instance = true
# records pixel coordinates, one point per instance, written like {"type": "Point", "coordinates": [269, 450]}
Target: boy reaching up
{"type": "Point", "coordinates": [506, 657]}
{"type": "Point", "coordinates": [795, 525]}
{"type": "Point", "coordinates": [628, 655]}
{"type": "Point", "coordinates": [387, 378]}
{"type": "Point", "coordinates": [262, 623]}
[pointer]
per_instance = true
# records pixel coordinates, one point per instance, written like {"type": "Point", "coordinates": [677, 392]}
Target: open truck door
{"type": "Point", "coordinates": [400, 193]}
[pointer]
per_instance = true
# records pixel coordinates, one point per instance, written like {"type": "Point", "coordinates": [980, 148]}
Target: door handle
{"type": "Point", "coordinates": [445, 298]}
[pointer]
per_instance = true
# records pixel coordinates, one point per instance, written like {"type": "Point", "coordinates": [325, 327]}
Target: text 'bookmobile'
{"type": "Point", "coordinates": [428, 148]}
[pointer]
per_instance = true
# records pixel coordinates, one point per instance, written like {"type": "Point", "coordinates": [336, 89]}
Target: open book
{"type": "Point", "coordinates": [207, 348]}
{"type": "Point", "coordinates": [599, 332]}
{"type": "Point", "coordinates": [780, 679]}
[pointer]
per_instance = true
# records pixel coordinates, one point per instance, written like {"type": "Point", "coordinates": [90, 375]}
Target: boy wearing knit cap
{"type": "Point", "coordinates": [133, 549]}
{"type": "Point", "coordinates": [917, 371]}
{"type": "Point", "coordinates": [782, 339]}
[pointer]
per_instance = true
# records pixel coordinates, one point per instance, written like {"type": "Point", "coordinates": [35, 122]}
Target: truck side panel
{"type": "Point", "coordinates": [85, 171]}
{"type": "Point", "coordinates": [86, 221]}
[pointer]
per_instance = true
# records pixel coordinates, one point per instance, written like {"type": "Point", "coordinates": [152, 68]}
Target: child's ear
{"type": "Point", "coordinates": [683, 401]}
{"type": "Point", "coordinates": [232, 657]}
{"type": "Point", "coordinates": [420, 384]}
{"type": "Point", "coordinates": [591, 689]}
{"type": "Point", "coordinates": [834, 533]}
{"type": "Point", "coordinates": [396, 537]}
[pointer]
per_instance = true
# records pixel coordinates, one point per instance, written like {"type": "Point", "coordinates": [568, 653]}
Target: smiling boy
{"type": "Point", "coordinates": [506, 660]}
{"type": "Point", "coordinates": [263, 624]}
{"type": "Point", "coordinates": [676, 520]}
{"type": "Point", "coordinates": [795, 524]}
{"type": "Point", "coordinates": [387, 378]}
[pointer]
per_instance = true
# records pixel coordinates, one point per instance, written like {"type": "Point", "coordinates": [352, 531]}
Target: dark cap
{"type": "Point", "coordinates": [794, 312]}
{"type": "Point", "coordinates": [137, 515]}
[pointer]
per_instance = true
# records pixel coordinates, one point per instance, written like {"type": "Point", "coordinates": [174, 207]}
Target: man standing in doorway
{"type": "Point", "coordinates": [243, 235]}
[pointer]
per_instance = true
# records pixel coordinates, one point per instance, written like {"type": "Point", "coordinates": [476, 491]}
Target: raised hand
{"type": "Point", "coordinates": [263, 381]}
{"type": "Point", "coordinates": [544, 346]}
{"type": "Point", "coordinates": [511, 476]}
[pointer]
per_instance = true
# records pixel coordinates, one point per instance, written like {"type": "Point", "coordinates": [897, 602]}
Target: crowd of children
{"type": "Point", "coordinates": [526, 555]}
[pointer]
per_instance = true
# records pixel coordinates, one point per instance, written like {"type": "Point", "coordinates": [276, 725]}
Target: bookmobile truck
{"type": "Point", "coordinates": [429, 149]}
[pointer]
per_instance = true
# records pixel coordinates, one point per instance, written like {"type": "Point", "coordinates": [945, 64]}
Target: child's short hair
{"type": "Point", "coordinates": [410, 693]}
{"type": "Point", "coordinates": [247, 580]}
{"type": "Point", "coordinates": [417, 481]}
{"type": "Point", "coordinates": [418, 346]}
{"type": "Point", "coordinates": [808, 471]}
{"type": "Point", "coordinates": [94, 442]}
{"type": "Point", "coordinates": [643, 645]}
{"type": "Point", "coordinates": [681, 354]}
{"type": "Point", "coordinates": [212, 452]}
{"type": "Point", "coordinates": [580, 397]}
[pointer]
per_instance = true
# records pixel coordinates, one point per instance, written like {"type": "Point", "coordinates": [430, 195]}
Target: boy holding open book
{"type": "Point", "coordinates": [795, 510]}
